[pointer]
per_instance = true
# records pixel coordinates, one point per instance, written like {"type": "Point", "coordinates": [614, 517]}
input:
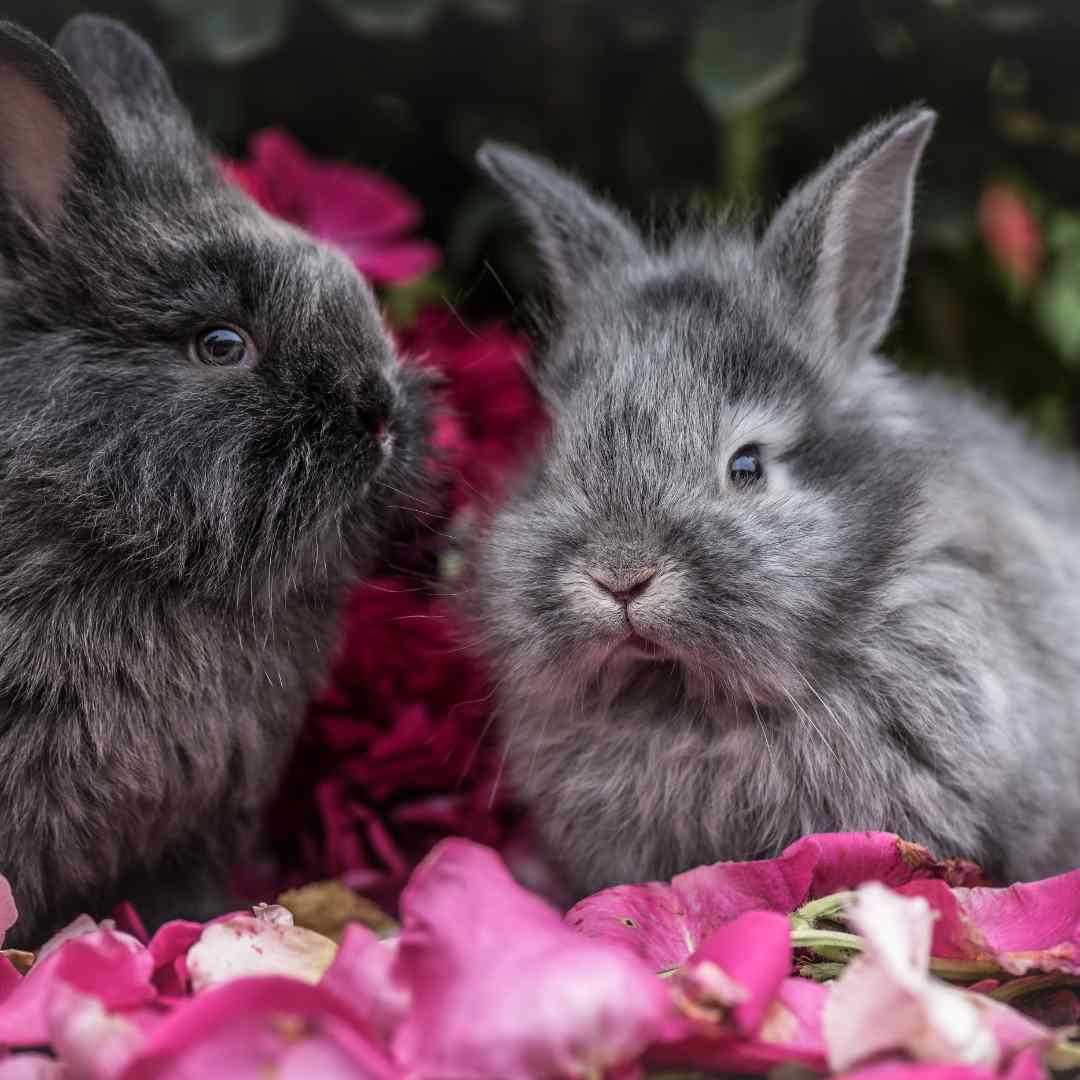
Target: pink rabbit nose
{"type": "Point", "coordinates": [623, 585]}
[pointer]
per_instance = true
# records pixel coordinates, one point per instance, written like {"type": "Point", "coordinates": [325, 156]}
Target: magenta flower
{"type": "Point", "coordinates": [1031, 926]}
{"type": "Point", "coordinates": [359, 211]}
{"type": "Point", "coordinates": [491, 415]}
{"type": "Point", "coordinates": [664, 924]}
{"type": "Point", "coordinates": [500, 986]}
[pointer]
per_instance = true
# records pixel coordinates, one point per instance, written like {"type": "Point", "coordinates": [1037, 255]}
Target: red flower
{"type": "Point", "coordinates": [491, 415]}
{"type": "Point", "coordinates": [365, 214]}
{"type": "Point", "coordinates": [1011, 232]}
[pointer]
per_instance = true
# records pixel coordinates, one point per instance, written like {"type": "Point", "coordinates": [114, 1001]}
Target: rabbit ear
{"type": "Point", "coordinates": [127, 83]}
{"type": "Point", "coordinates": [49, 131]}
{"type": "Point", "coordinates": [576, 232]}
{"type": "Point", "coordinates": [841, 239]}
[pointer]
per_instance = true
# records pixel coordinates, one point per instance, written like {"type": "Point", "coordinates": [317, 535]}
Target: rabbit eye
{"type": "Point", "coordinates": [222, 346]}
{"type": "Point", "coordinates": [745, 468]}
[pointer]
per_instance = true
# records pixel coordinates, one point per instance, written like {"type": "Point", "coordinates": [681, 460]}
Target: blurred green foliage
{"type": "Point", "coordinates": [674, 101]}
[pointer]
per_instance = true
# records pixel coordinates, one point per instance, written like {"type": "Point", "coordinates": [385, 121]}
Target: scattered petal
{"type": "Point", "coordinates": [501, 987]}
{"type": "Point", "coordinates": [363, 974]}
{"type": "Point", "coordinates": [887, 1001]}
{"type": "Point", "coordinates": [252, 1028]}
{"type": "Point", "coordinates": [108, 965]}
{"type": "Point", "coordinates": [664, 924]}
{"type": "Point", "coordinates": [738, 970]}
{"type": "Point", "coordinates": [266, 943]}
{"type": "Point", "coordinates": [8, 911]}
{"type": "Point", "coordinates": [1031, 926]}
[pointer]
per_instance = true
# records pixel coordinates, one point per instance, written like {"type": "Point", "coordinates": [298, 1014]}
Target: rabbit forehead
{"type": "Point", "coordinates": [687, 351]}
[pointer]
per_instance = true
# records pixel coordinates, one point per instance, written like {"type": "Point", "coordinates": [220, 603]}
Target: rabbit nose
{"type": "Point", "coordinates": [623, 585]}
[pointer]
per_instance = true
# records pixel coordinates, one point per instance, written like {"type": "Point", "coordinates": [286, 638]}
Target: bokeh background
{"type": "Point", "coordinates": [662, 101]}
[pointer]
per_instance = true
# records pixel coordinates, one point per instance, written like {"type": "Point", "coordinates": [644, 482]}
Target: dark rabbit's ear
{"type": "Point", "coordinates": [127, 83]}
{"type": "Point", "coordinates": [841, 239]}
{"type": "Point", "coordinates": [49, 132]}
{"type": "Point", "coordinates": [576, 232]}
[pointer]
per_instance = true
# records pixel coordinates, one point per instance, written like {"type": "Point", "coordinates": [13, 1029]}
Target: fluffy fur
{"type": "Point", "coordinates": [882, 632]}
{"type": "Point", "coordinates": [173, 535]}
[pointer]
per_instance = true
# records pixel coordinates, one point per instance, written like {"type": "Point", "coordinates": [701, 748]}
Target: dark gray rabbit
{"type": "Point", "coordinates": [199, 412]}
{"type": "Point", "coordinates": [759, 583]}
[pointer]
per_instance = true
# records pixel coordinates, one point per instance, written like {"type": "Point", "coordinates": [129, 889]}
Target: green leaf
{"type": "Point", "coordinates": [385, 16]}
{"type": "Point", "coordinates": [1058, 309]}
{"type": "Point", "coordinates": [746, 51]}
{"type": "Point", "coordinates": [227, 31]}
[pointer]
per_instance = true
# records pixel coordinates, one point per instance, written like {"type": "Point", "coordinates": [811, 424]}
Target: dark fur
{"type": "Point", "coordinates": [884, 634]}
{"type": "Point", "coordinates": [173, 536]}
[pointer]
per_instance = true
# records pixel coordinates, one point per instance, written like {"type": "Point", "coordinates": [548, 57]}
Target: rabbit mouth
{"type": "Point", "coordinates": [634, 644]}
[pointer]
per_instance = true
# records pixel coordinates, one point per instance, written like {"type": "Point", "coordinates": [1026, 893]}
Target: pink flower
{"type": "Point", "coordinates": [886, 1001]}
{"type": "Point", "coordinates": [266, 943]}
{"type": "Point", "coordinates": [1032, 926]}
{"type": "Point", "coordinates": [665, 923]}
{"type": "Point", "coordinates": [1010, 231]}
{"type": "Point", "coordinates": [361, 212]}
{"type": "Point", "coordinates": [501, 987]}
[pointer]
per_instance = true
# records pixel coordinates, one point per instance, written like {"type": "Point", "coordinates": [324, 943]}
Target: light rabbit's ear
{"type": "Point", "coordinates": [577, 233]}
{"type": "Point", "coordinates": [49, 133]}
{"type": "Point", "coordinates": [841, 238]}
{"type": "Point", "coordinates": [127, 82]}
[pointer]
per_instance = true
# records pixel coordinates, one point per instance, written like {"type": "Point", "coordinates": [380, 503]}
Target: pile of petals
{"type": "Point", "coordinates": [829, 957]}
{"type": "Point", "coordinates": [398, 752]}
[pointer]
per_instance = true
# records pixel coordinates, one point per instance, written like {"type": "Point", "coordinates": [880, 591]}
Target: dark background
{"type": "Point", "coordinates": [656, 101]}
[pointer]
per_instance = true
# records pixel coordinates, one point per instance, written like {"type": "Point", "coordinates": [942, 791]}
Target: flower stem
{"type": "Point", "coordinates": [1031, 984]}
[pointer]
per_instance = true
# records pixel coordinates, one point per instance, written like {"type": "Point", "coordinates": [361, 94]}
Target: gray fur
{"type": "Point", "coordinates": [173, 536]}
{"type": "Point", "coordinates": [883, 634]}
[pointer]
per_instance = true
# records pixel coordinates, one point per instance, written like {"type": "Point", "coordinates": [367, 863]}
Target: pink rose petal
{"type": "Point", "coordinates": [791, 1031]}
{"type": "Point", "coordinates": [252, 1028]}
{"type": "Point", "coordinates": [1032, 926]}
{"type": "Point", "coordinates": [169, 947]}
{"type": "Point", "coordinates": [8, 911]}
{"type": "Point", "coordinates": [747, 960]}
{"type": "Point", "coordinates": [501, 987]}
{"type": "Point", "coordinates": [94, 1042]}
{"type": "Point", "coordinates": [105, 964]}
{"type": "Point", "coordinates": [266, 943]}
{"type": "Point", "coordinates": [362, 974]}
{"type": "Point", "coordinates": [32, 1067]}
{"type": "Point", "coordinates": [887, 1001]}
{"type": "Point", "coordinates": [664, 924]}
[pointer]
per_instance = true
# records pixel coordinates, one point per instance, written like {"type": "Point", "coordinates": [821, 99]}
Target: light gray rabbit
{"type": "Point", "coordinates": [200, 419]}
{"type": "Point", "coordinates": [758, 583]}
